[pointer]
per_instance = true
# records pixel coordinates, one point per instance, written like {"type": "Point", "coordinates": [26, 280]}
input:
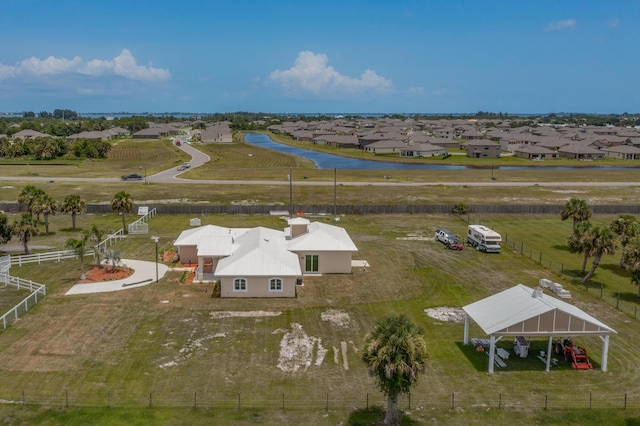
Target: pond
{"type": "Point", "coordinates": [330, 161]}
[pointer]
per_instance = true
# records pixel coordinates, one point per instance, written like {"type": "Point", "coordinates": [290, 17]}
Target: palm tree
{"type": "Point", "coordinates": [603, 242]}
{"type": "Point", "coordinates": [580, 242]}
{"type": "Point", "coordinates": [113, 258]}
{"type": "Point", "coordinates": [395, 351]}
{"type": "Point", "coordinates": [73, 204]}
{"type": "Point", "coordinates": [635, 279]}
{"type": "Point", "coordinates": [122, 203]}
{"type": "Point", "coordinates": [96, 235]}
{"type": "Point", "coordinates": [626, 228]}
{"type": "Point", "coordinates": [5, 228]}
{"type": "Point", "coordinates": [25, 228]}
{"type": "Point", "coordinates": [79, 246]}
{"type": "Point", "coordinates": [577, 210]}
{"type": "Point", "coordinates": [28, 196]}
{"type": "Point", "coordinates": [46, 205]}
{"type": "Point", "coordinates": [631, 260]}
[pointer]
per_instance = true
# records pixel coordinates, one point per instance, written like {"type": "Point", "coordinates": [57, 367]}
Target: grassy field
{"type": "Point", "coordinates": [242, 161]}
{"type": "Point", "coordinates": [172, 341]}
{"type": "Point", "coordinates": [172, 345]}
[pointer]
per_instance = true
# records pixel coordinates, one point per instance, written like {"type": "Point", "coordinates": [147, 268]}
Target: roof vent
{"type": "Point", "coordinates": [537, 292]}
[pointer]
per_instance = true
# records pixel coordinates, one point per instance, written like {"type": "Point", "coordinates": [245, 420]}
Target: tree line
{"type": "Point", "coordinates": [595, 241]}
{"type": "Point", "coordinates": [39, 205]}
{"type": "Point", "coordinates": [51, 148]}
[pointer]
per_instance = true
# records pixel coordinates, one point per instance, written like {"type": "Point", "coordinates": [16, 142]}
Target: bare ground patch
{"type": "Point", "coordinates": [336, 317]}
{"type": "Point", "coordinates": [446, 313]}
{"type": "Point", "coordinates": [296, 350]}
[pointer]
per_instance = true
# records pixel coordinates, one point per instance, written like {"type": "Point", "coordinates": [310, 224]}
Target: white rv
{"type": "Point", "coordinates": [483, 239]}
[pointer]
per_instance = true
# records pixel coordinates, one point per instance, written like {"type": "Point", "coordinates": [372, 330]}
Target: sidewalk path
{"type": "Point", "coordinates": [144, 273]}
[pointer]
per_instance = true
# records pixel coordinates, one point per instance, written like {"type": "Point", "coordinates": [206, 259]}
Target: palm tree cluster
{"type": "Point", "coordinates": [597, 241]}
{"type": "Point", "coordinates": [38, 202]}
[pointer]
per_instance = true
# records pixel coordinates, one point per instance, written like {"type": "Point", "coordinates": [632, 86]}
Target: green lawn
{"type": "Point", "coordinates": [118, 348]}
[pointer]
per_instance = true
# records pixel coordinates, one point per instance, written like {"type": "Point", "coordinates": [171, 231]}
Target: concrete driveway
{"type": "Point", "coordinates": [144, 273]}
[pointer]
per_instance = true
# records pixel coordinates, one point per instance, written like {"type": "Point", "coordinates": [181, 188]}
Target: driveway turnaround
{"type": "Point", "coordinates": [144, 273]}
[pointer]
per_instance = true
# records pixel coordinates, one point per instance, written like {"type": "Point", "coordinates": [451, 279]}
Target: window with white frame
{"type": "Point", "coordinates": [239, 284]}
{"type": "Point", "coordinates": [275, 284]}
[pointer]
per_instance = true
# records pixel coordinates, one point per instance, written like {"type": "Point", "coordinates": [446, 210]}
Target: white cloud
{"type": "Point", "coordinates": [311, 74]}
{"type": "Point", "coordinates": [124, 65]}
{"type": "Point", "coordinates": [566, 24]}
{"type": "Point", "coordinates": [613, 23]}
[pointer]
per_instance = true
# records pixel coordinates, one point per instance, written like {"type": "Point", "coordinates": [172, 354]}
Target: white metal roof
{"type": "Point", "coordinates": [516, 311]}
{"type": "Point", "coordinates": [191, 237]}
{"type": "Point", "coordinates": [259, 252]}
{"type": "Point", "coordinates": [322, 237]}
{"type": "Point", "coordinates": [213, 245]}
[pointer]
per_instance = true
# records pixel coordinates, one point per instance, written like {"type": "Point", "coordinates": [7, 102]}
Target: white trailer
{"type": "Point", "coordinates": [483, 239]}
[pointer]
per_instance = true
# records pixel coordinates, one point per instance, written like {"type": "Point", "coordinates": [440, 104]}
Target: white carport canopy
{"type": "Point", "coordinates": [523, 311]}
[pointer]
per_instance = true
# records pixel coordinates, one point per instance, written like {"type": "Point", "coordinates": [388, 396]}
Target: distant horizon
{"type": "Point", "coordinates": [321, 57]}
{"type": "Point", "coordinates": [334, 114]}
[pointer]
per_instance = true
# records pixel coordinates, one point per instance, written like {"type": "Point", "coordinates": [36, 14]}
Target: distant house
{"type": "Point", "coordinates": [580, 152]}
{"type": "Point", "coordinates": [622, 152]}
{"type": "Point", "coordinates": [28, 134]}
{"type": "Point", "coordinates": [538, 153]}
{"type": "Point", "coordinates": [446, 132]}
{"type": "Point", "coordinates": [218, 133]}
{"type": "Point", "coordinates": [263, 262]}
{"type": "Point", "coordinates": [386, 146]}
{"type": "Point", "coordinates": [155, 132]}
{"type": "Point", "coordinates": [423, 150]}
{"type": "Point", "coordinates": [340, 141]}
{"type": "Point", "coordinates": [481, 149]}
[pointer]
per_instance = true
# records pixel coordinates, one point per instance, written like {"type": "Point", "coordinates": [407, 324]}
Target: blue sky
{"type": "Point", "coordinates": [320, 56]}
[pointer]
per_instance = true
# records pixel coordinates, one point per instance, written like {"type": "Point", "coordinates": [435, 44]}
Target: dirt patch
{"type": "Point", "coordinates": [296, 350]}
{"type": "Point", "coordinates": [243, 314]}
{"type": "Point", "coordinates": [336, 318]}
{"type": "Point", "coordinates": [446, 313]}
{"type": "Point", "coordinates": [99, 274]}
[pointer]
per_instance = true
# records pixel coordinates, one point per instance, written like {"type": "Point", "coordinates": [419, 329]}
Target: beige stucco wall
{"type": "Point", "coordinates": [258, 287]}
{"type": "Point", "coordinates": [188, 253]}
{"type": "Point", "coordinates": [329, 262]}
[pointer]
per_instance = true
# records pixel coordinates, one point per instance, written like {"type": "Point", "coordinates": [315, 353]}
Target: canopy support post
{"type": "Point", "coordinates": [492, 352]}
{"type": "Point", "coordinates": [549, 354]}
{"type": "Point", "coordinates": [605, 351]}
{"type": "Point", "coordinates": [466, 329]}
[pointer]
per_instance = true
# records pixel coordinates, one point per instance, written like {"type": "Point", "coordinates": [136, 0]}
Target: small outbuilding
{"type": "Point", "coordinates": [528, 312]}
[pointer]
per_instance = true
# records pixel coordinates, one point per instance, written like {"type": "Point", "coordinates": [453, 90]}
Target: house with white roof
{"type": "Point", "coordinates": [263, 262]}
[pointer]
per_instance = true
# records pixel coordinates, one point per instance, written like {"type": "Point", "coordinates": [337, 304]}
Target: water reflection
{"type": "Point", "coordinates": [330, 161]}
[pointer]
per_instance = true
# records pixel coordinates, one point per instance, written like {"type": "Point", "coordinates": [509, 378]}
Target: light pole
{"type": "Point", "coordinates": [156, 241]}
{"type": "Point", "coordinates": [290, 177]}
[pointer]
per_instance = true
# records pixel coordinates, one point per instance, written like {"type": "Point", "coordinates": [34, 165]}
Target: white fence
{"type": "Point", "coordinates": [111, 240]}
{"type": "Point", "coordinates": [140, 226]}
{"type": "Point", "coordinates": [46, 257]}
{"type": "Point", "coordinates": [38, 292]}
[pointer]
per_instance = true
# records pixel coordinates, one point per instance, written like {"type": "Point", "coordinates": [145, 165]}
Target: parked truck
{"type": "Point", "coordinates": [484, 239]}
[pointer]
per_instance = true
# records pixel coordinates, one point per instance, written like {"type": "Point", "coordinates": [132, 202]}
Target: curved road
{"type": "Point", "coordinates": [198, 158]}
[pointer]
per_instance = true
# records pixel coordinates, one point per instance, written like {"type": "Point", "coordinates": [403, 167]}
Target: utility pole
{"type": "Point", "coordinates": [335, 188]}
{"type": "Point", "coordinates": [290, 194]}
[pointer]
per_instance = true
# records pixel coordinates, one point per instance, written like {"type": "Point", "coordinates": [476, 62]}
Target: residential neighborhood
{"type": "Point", "coordinates": [476, 138]}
